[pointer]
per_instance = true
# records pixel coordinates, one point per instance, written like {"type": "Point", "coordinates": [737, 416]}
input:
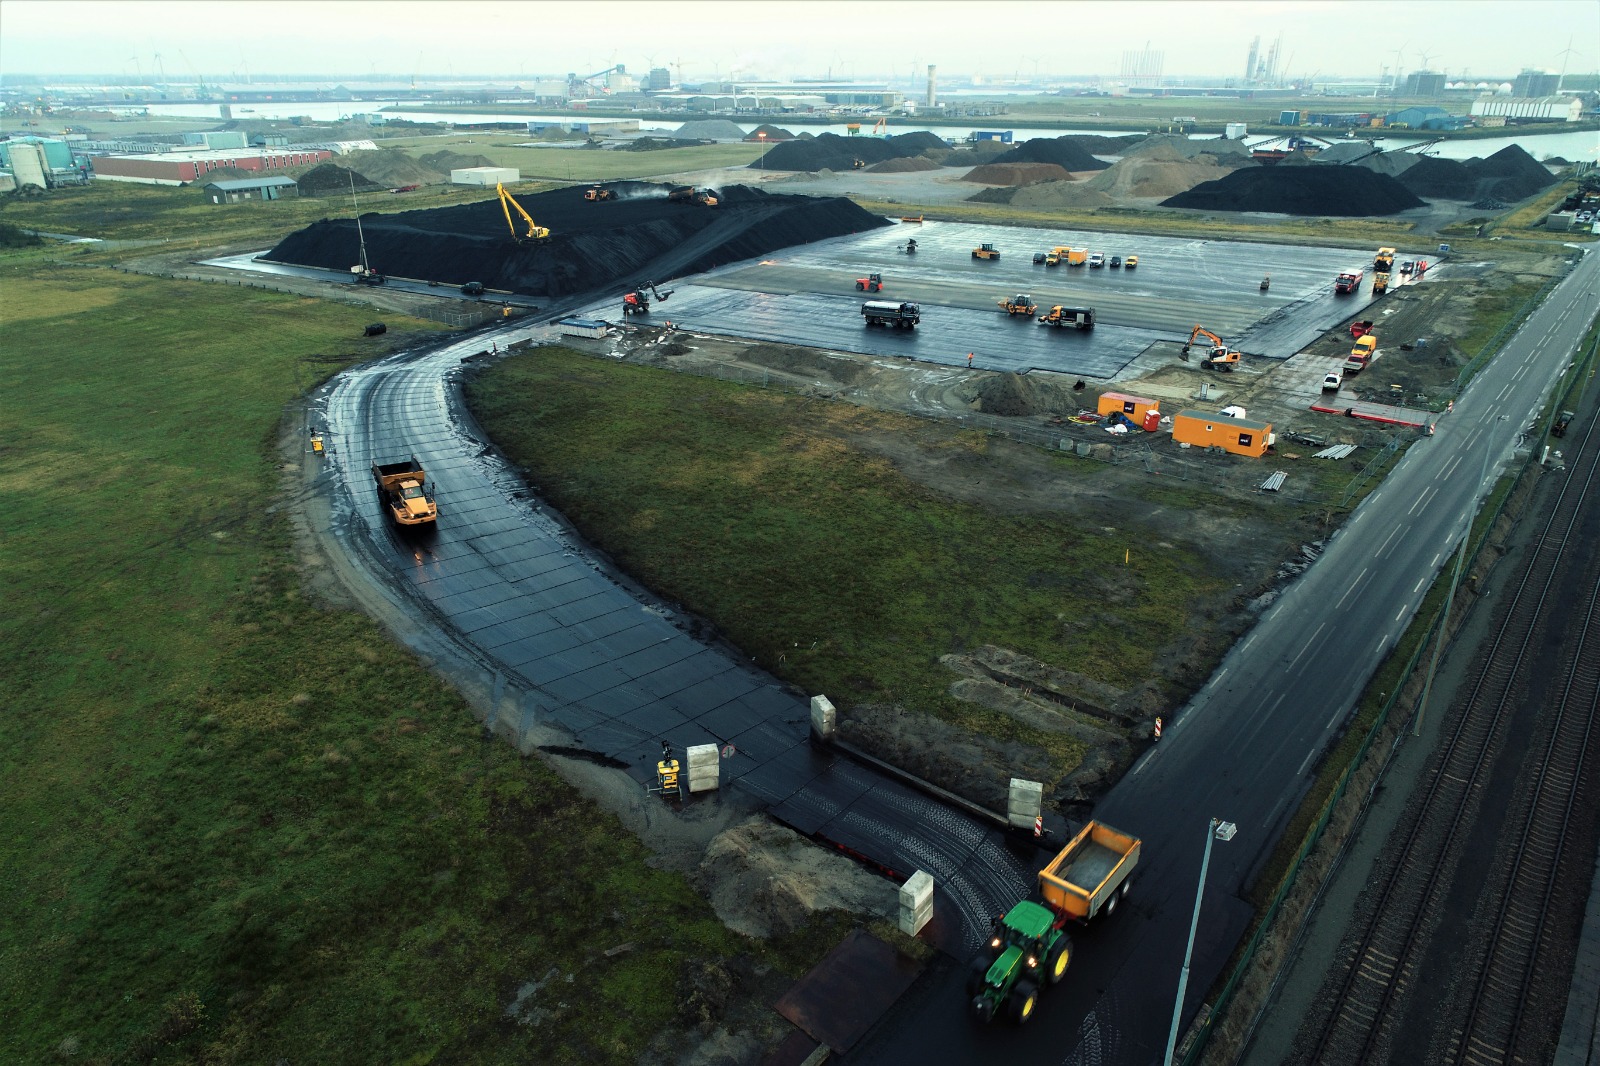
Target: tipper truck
{"type": "Point", "coordinates": [887, 313]}
{"type": "Point", "coordinates": [404, 490]}
{"type": "Point", "coordinates": [1030, 944]}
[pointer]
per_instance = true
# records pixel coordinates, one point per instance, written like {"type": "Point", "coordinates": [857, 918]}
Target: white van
{"type": "Point", "coordinates": [1332, 381]}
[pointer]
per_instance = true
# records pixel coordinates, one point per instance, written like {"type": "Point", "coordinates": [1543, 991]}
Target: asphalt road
{"type": "Point", "coordinates": [1245, 749]}
{"type": "Point", "coordinates": [807, 294]}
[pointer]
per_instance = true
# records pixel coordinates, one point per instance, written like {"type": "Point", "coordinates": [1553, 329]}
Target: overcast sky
{"type": "Point", "coordinates": [778, 40]}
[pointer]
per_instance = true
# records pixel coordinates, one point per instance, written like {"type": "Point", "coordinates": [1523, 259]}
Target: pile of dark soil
{"type": "Point", "coordinates": [710, 129]}
{"type": "Point", "coordinates": [1098, 144]}
{"type": "Point", "coordinates": [979, 154]}
{"type": "Point", "coordinates": [829, 151]}
{"type": "Point", "coordinates": [638, 236]}
{"type": "Point", "coordinates": [656, 144]}
{"type": "Point", "coordinates": [1065, 152]}
{"type": "Point", "coordinates": [1510, 174]}
{"type": "Point", "coordinates": [773, 133]}
{"type": "Point", "coordinates": [330, 179]}
{"type": "Point", "coordinates": [444, 161]}
{"type": "Point", "coordinates": [392, 168]}
{"type": "Point", "coordinates": [904, 165]}
{"type": "Point", "coordinates": [1300, 190]}
{"type": "Point", "coordinates": [1016, 173]}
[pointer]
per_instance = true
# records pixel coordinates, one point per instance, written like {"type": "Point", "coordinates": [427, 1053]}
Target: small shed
{"type": "Point", "coordinates": [485, 176]}
{"type": "Point", "coordinates": [1241, 436]}
{"type": "Point", "coordinates": [582, 327]}
{"type": "Point", "coordinates": [1135, 407]}
{"type": "Point", "coordinates": [241, 189]}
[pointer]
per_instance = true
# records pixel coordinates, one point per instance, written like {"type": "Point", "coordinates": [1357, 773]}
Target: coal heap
{"type": "Point", "coordinates": [1300, 190]}
{"type": "Point", "coordinates": [1510, 174]}
{"type": "Point", "coordinates": [637, 235]}
{"type": "Point", "coordinates": [829, 151]}
{"type": "Point", "coordinates": [1065, 152]}
{"type": "Point", "coordinates": [326, 179]}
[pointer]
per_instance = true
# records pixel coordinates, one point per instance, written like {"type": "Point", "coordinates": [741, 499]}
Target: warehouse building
{"type": "Point", "coordinates": [216, 140]}
{"type": "Point", "coordinates": [242, 189]}
{"type": "Point", "coordinates": [181, 168]}
{"type": "Point", "coordinates": [485, 176]}
{"type": "Point", "coordinates": [1537, 109]}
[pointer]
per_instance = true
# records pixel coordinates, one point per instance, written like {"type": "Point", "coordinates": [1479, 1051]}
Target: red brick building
{"type": "Point", "coordinates": [179, 168]}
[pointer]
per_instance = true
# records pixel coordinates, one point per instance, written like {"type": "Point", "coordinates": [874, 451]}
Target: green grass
{"type": "Point", "coordinates": [823, 562]}
{"type": "Point", "coordinates": [240, 827]}
{"type": "Point", "coordinates": [589, 164]}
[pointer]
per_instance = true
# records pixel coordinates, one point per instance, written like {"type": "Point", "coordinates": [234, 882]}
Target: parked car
{"type": "Point", "coordinates": [1332, 380]}
{"type": "Point", "coordinates": [1116, 262]}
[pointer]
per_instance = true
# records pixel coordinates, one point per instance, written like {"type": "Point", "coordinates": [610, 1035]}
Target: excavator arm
{"type": "Point", "coordinates": [535, 232]}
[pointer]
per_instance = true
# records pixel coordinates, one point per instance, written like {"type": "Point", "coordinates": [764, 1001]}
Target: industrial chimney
{"type": "Point", "coordinates": [933, 86]}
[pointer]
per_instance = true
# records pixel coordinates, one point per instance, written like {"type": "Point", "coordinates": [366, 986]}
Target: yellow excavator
{"type": "Point", "coordinates": [1220, 357]}
{"type": "Point", "coordinates": [535, 232]}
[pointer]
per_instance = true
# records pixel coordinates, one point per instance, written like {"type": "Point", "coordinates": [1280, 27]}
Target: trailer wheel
{"type": "Point", "coordinates": [1111, 904]}
{"type": "Point", "coordinates": [1024, 998]}
{"type": "Point", "coordinates": [1059, 959]}
{"type": "Point", "coordinates": [1127, 886]}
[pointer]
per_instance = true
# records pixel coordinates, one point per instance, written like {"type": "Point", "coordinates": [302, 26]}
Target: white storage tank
{"type": "Point", "coordinates": [485, 176]}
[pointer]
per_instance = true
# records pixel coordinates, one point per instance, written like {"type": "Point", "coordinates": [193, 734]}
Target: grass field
{"type": "Point", "coordinates": [582, 164]}
{"type": "Point", "coordinates": [240, 827]}
{"type": "Point", "coordinates": [823, 562]}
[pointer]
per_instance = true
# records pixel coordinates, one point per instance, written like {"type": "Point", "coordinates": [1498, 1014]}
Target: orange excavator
{"type": "Point", "coordinates": [637, 302]}
{"type": "Point", "coordinates": [1219, 357]}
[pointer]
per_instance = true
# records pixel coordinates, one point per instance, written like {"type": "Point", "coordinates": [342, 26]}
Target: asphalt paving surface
{"type": "Point", "coordinates": [807, 294]}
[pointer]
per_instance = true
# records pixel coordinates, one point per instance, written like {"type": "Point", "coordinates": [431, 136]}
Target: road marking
{"type": "Point", "coordinates": [1351, 589]}
{"type": "Point", "coordinates": [1503, 392]}
{"type": "Point", "coordinates": [1422, 500]}
{"type": "Point", "coordinates": [1451, 467]}
{"type": "Point", "coordinates": [1309, 755]}
{"type": "Point", "coordinates": [1420, 582]}
{"type": "Point", "coordinates": [1334, 719]}
{"type": "Point", "coordinates": [1435, 564]}
{"type": "Point", "coordinates": [1381, 642]}
{"type": "Point", "coordinates": [1402, 612]}
{"type": "Point", "coordinates": [1520, 372]}
{"type": "Point", "coordinates": [1218, 679]}
{"type": "Point", "coordinates": [1307, 647]}
{"type": "Point", "coordinates": [1395, 533]}
{"type": "Point", "coordinates": [1251, 639]}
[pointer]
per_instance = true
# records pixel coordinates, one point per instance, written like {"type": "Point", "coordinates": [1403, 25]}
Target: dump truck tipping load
{"type": "Point", "coordinates": [1089, 873]}
{"type": "Point", "coordinates": [404, 490]}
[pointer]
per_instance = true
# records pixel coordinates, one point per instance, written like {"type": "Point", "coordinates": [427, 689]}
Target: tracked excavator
{"type": "Point", "coordinates": [535, 232]}
{"type": "Point", "coordinates": [637, 302]}
{"type": "Point", "coordinates": [1219, 357]}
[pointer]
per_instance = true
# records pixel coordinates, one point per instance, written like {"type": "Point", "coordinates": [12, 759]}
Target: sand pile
{"type": "Point", "coordinates": [709, 129]}
{"type": "Point", "coordinates": [1065, 152]}
{"type": "Point", "coordinates": [832, 152]}
{"type": "Point", "coordinates": [905, 165]}
{"type": "Point", "coordinates": [1174, 146]}
{"type": "Point", "coordinates": [639, 235]}
{"type": "Point", "coordinates": [330, 179]}
{"type": "Point", "coordinates": [1017, 173]}
{"type": "Point", "coordinates": [1307, 189]}
{"type": "Point", "coordinates": [1159, 171]}
{"type": "Point", "coordinates": [393, 168]}
{"type": "Point", "coordinates": [1510, 174]}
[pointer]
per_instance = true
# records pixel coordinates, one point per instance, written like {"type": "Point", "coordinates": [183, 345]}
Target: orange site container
{"type": "Point", "coordinates": [1135, 407]}
{"type": "Point", "coordinates": [1241, 436]}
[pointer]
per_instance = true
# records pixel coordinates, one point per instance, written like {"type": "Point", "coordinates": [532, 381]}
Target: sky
{"type": "Point", "coordinates": [779, 40]}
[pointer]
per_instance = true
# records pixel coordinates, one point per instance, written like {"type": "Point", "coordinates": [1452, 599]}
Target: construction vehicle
{"type": "Point", "coordinates": [1131, 262]}
{"type": "Point", "coordinates": [1030, 944]}
{"type": "Point", "coordinates": [888, 313]}
{"type": "Point", "coordinates": [857, 164]}
{"type": "Point", "coordinates": [1266, 282]}
{"type": "Point", "coordinates": [986, 251]}
{"type": "Point", "coordinates": [1363, 355]}
{"type": "Point", "coordinates": [1020, 304]}
{"type": "Point", "coordinates": [911, 218]}
{"type": "Point", "coordinates": [637, 302]}
{"type": "Point", "coordinates": [669, 775]}
{"type": "Point", "coordinates": [1358, 328]}
{"type": "Point", "coordinates": [362, 273]}
{"type": "Point", "coordinates": [1064, 317]}
{"type": "Point", "coordinates": [1384, 260]}
{"type": "Point", "coordinates": [1218, 357]}
{"type": "Point", "coordinates": [595, 193]}
{"type": "Point", "coordinates": [910, 247]}
{"type": "Point", "coordinates": [535, 232]}
{"type": "Point", "coordinates": [1380, 283]}
{"type": "Point", "coordinates": [688, 194]}
{"type": "Point", "coordinates": [880, 128]}
{"type": "Point", "coordinates": [403, 487]}
{"type": "Point", "coordinates": [1559, 427]}
{"type": "Point", "coordinates": [870, 283]}
{"type": "Point", "coordinates": [1076, 257]}
{"type": "Point", "coordinates": [1349, 281]}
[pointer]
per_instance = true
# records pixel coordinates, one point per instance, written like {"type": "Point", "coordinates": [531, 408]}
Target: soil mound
{"type": "Point", "coordinates": [1050, 195]}
{"type": "Point", "coordinates": [1005, 394]}
{"type": "Point", "coordinates": [1300, 190]}
{"type": "Point", "coordinates": [639, 235]}
{"type": "Point", "coordinates": [710, 129]}
{"type": "Point", "coordinates": [1068, 153]}
{"type": "Point", "coordinates": [330, 179]}
{"type": "Point", "coordinates": [444, 161]}
{"type": "Point", "coordinates": [1158, 173]}
{"type": "Point", "coordinates": [773, 133]}
{"type": "Point", "coordinates": [1175, 146]}
{"type": "Point", "coordinates": [904, 166]}
{"type": "Point", "coordinates": [1016, 173]}
{"type": "Point", "coordinates": [1510, 174]}
{"type": "Point", "coordinates": [393, 168]}
{"type": "Point", "coordinates": [829, 151]}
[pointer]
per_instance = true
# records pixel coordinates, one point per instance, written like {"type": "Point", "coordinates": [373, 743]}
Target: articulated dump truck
{"type": "Point", "coordinates": [403, 487]}
{"type": "Point", "coordinates": [1030, 944]}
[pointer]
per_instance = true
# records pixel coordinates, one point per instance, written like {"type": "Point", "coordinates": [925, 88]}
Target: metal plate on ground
{"type": "Point", "coordinates": [848, 991]}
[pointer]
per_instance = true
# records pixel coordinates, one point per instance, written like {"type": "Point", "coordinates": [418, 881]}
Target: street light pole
{"type": "Point", "coordinates": [762, 137]}
{"type": "Point", "coordinates": [1217, 830]}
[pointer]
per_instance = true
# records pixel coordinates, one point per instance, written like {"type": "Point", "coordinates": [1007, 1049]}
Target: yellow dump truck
{"type": "Point", "coordinates": [1090, 875]}
{"type": "Point", "coordinates": [403, 488]}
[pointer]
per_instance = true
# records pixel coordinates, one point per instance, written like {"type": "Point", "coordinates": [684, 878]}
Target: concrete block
{"type": "Point", "coordinates": [916, 902]}
{"type": "Point", "coordinates": [704, 767]}
{"type": "Point", "coordinates": [824, 719]}
{"type": "Point", "coordinates": [1024, 802]}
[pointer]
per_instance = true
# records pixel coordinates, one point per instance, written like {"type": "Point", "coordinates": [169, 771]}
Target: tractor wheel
{"type": "Point", "coordinates": [974, 255]}
{"type": "Point", "coordinates": [977, 971]}
{"type": "Point", "coordinates": [1058, 960]}
{"type": "Point", "coordinates": [983, 1007]}
{"type": "Point", "coordinates": [877, 288]}
{"type": "Point", "coordinates": [1024, 998]}
{"type": "Point", "coordinates": [859, 286]}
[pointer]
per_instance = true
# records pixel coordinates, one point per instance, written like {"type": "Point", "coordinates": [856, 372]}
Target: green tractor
{"type": "Point", "coordinates": [1027, 949]}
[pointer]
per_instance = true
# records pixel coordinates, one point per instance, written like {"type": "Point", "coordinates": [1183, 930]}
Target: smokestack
{"type": "Point", "coordinates": [933, 83]}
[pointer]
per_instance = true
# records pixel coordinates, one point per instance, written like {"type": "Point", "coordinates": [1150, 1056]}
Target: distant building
{"type": "Point", "coordinates": [1535, 83]}
{"type": "Point", "coordinates": [587, 127]}
{"type": "Point", "coordinates": [45, 162]}
{"type": "Point", "coordinates": [659, 78]}
{"type": "Point", "coordinates": [1426, 118]}
{"type": "Point", "coordinates": [1424, 83]}
{"type": "Point", "coordinates": [485, 176]}
{"type": "Point", "coordinates": [232, 192]}
{"type": "Point", "coordinates": [1339, 118]}
{"type": "Point", "coordinates": [1538, 109]}
{"type": "Point", "coordinates": [181, 168]}
{"type": "Point", "coordinates": [216, 139]}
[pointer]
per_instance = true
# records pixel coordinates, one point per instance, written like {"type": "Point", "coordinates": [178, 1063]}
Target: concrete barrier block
{"type": "Point", "coordinates": [824, 719]}
{"type": "Point", "coordinates": [916, 902]}
{"type": "Point", "coordinates": [1024, 802]}
{"type": "Point", "coordinates": [704, 767]}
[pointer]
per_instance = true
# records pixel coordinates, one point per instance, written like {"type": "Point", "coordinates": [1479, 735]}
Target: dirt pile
{"type": "Point", "coordinates": [1068, 153]}
{"type": "Point", "coordinates": [1306, 189]}
{"type": "Point", "coordinates": [969, 764]}
{"type": "Point", "coordinates": [977, 155]}
{"type": "Point", "coordinates": [330, 179]}
{"type": "Point", "coordinates": [829, 151]}
{"type": "Point", "coordinates": [444, 161]}
{"type": "Point", "coordinates": [1046, 195]}
{"type": "Point", "coordinates": [1510, 174]}
{"type": "Point", "coordinates": [710, 129]}
{"type": "Point", "coordinates": [773, 133]}
{"type": "Point", "coordinates": [1173, 146]}
{"type": "Point", "coordinates": [392, 168]}
{"type": "Point", "coordinates": [905, 165]}
{"type": "Point", "coordinates": [638, 236]}
{"type": "Point", "coordinates": [1016, 173]}
{"type": "Point", "coordinates": [1025, 396]}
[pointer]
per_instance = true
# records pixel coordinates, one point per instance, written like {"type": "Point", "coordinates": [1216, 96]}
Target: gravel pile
{"type": "Point", "coordinates": [829, 151]}
{"type": "Point", "coordinates": [905, 165]}
{"type": "Point", "coordinates": [638, 236]}
{"type": "Point", "coordinates": [977, 155]}
{"type": "Point", "coordinates": [773, 133]}
{"type": "Point", "coordinates": [1306, 189]}
{"type": "Point", "coordinates": [1178, 147]}
{"type": "Point", "coordinates": [330, 179]}
{"type": "Point", "coordinates": [444, 161]}
{"type": "Point", "coordinates": [710, 129]}
{"type": "Point", "coordinates": [1017, 173]}
{"type": "Point", "coordinates": [1510, 174]}
{"type": "Point", "coordinates": [393, 168]}
{"type": "Point", "coordinates": [1068, 153]}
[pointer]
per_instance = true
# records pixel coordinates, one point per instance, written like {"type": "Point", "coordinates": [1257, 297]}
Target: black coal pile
{"type": "Point", "coordinates": [1510, 174]}
{"type": "Point", "coordinates": [1300, 190]}
{"type": "Point", "coordinates": [1065, 152]}
{"type": "Point", "coordinates": [638, 235]}
{"type": "Point", "coordinates": [330, 179]}
{"type": "Point", "coordinates": [829, 151]}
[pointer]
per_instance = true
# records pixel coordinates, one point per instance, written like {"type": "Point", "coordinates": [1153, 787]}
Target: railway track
{"type": "Point", "coordinates": [1365, 1008]}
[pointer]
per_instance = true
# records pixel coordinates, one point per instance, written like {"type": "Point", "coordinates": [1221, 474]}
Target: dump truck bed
{"type": "Point", "coordinates": [1086, 872]}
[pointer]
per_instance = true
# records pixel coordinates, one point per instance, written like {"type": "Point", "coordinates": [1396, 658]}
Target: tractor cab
{"type": "Point", "coordinates": [870, 283]}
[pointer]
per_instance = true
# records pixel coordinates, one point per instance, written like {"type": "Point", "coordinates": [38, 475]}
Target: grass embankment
{"type": "Point", "coordinates": [831, 568]}
{"type": "Point", "coordinates": [588, 164]}
{"type": "Point", "coordinates": [239, 828]}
